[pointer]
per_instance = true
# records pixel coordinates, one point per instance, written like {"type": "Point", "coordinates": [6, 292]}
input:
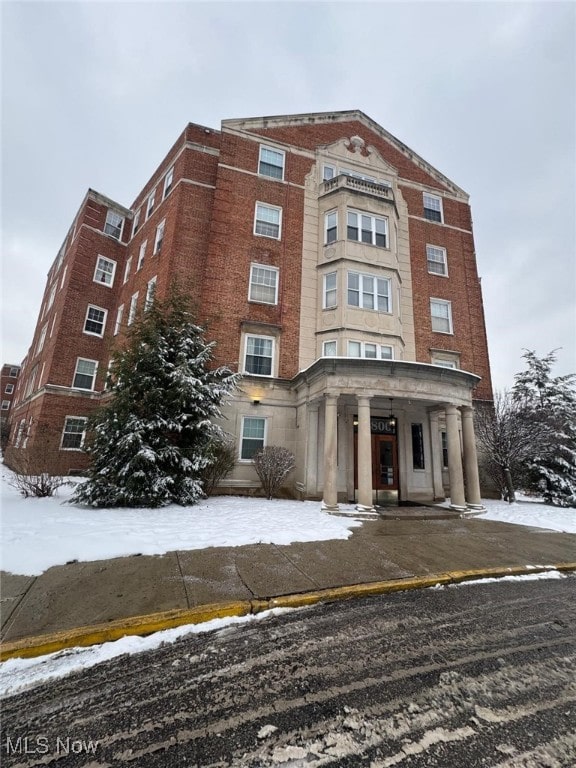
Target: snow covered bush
{"type": "Point", "coordinates": [35, 467]}
{"type": "Point", "coordinates": [273, 464]}
{"type": "Point", "coordinates": [221, 454]}
{"type": "Point", "coordinates": [149, 443]}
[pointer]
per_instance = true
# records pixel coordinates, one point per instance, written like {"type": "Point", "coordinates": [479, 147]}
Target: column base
{"type": "Point", "coordinates": [329, 507]}
{"type": "Point", "coordinates": [477, 507]}
{"type": "Point", "coordinates": [364, 508]}
{"type": "Point", "coordinates": [458, 508]}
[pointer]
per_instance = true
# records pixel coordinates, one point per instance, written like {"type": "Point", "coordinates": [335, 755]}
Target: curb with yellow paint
{"type": "Point", "coordinates": [145, 625]}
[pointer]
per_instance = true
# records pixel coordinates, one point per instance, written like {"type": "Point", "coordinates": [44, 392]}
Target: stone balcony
{"type": "Point", "coordinates": [361, 186]}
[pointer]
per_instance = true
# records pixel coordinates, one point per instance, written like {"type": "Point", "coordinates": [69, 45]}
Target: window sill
{"type": "Point", "coordinates": [437, 274]}
{"type": "Point", "coordinates": [263, 303]}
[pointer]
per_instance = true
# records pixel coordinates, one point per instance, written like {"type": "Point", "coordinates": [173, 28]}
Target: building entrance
{"type": "Point", "coordinates": [385, 481]}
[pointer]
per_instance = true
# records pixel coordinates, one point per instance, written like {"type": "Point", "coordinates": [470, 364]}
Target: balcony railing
{"type": "Point", "coordinates": [371, 188]}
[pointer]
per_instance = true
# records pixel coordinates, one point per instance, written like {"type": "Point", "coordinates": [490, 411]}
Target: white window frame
{"type": "Point", "coordinates": [133, 308]}
{"type": "Point", "coordinates": [92, 320]}
{"type": "Point", "coordinates": [141, 255]}
{"type": "Point", "coordinates": [448, 304]}
{"type": "Point", "coordinates": [5, 405]}
{"type": "Point", "coordinates": [103, 272]}
{"type": "Point", "coordinates": [136, 222]}
{"type": "Point", "coordinates": [53, 324]}
{"type": "Point", "coordinates": [443, 363]}
{"type": "Point", "coordinates": [127, 269]}
{"type": "Point", "coordinates": [261, 162]}
{"type": "Point", "coordinates": [327, 216]}
{"type": "Point", "coordinates": [150, 292]}
{"type": "Point", "coordinates": [254, 286]}
{"type": "Point", "coordinates": [360, 228]}
{"type": "Point", "coordinates": [150, 204]}
{"type": "Point", "coordinates": [14, 372]}
{"type": "Point", "coordinates": [78, 373]}
{"type": "Point", "coordinates": [9, 389]}
{"type": "Point", "coordinates": [436, 254]}
{"type": "Point", "coordinates": [82, 434]}
{"type": "Point", "coordinates": [159, 237]}
{"type": "Point", "coordinates": [41, 339]}
{"type": "Point", "coordinates": [114, 227]}
{"type": "Point", "coordinates": [330, 342]}
{"type": "Point", "coordinates": [118, 323]}
{"type": "Point", "coordinates": [326, 291]}
{"type": "Point", "coordinates": [244, 437]}
{"type": "Point", "coordinates": [434, 204]}
{"type": "Point", "coordinates": [328, 172]}
{"type": "Point", "coordinates": [378, 348]}
{"type": "Point", "coordinates": [168, 179]}
{"type": "Point", "coordinates": [272, 358]}
{"type": "Point", "coordinates": [362, 291]}
{"type": "Point", "coordinates": [51, 297]}
{"type": "Point", "coordinates": [264, 222]}
{"type": "Point", "coordinates": [63, 276]}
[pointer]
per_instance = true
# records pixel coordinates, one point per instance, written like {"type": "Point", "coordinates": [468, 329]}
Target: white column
{"type": "Point", "coordinates": [457, 498]}
{"type": "Point", "coordinates": [470, 459]}
{"type": "Point", "coordinates": [330, 496]}
{"type": "Point", "coordinates": [436, 456]}
{"type": "Point", "coordinates": [312, 449]}
{"type": "Point", "coordinates": [364, 455]}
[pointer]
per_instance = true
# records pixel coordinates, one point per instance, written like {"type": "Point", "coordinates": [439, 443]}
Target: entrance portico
{"type": "Point", "coordinates": [369, 455]}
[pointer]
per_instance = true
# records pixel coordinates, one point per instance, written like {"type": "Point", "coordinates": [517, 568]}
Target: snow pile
{"type": "Point", "coordinates": [531, 512]}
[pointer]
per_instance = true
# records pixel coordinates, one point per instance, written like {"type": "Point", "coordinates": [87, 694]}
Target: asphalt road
{"type": "Point", "coordinates": [460, 677]}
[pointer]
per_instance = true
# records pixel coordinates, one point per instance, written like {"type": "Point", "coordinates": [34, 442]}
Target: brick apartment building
{"type": "Point", "coordinates": [332, 265]}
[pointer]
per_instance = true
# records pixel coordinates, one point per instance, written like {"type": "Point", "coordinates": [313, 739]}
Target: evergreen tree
{"type": "Point", "coordinates": [551, 402]}
{"type": "Point", "coordinates": [150, 441]}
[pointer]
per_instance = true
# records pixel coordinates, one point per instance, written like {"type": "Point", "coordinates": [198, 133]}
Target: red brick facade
{"type": "Point", "coordinates": [209, 243]}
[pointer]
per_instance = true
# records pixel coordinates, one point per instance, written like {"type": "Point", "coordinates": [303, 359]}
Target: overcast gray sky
{"type": "Point", "coordinates": [94, 94]}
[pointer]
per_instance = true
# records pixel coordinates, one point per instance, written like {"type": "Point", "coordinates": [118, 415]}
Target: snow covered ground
{"type": "Point", "coordinates": [40, 533]}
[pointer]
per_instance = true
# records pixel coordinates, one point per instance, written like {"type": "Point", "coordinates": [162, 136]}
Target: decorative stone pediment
{"type": "Point", "coordinates": [352, 153]}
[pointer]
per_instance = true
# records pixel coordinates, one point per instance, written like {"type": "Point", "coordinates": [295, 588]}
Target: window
{"type": "Point", "coordinates": [267, 221]}
{"type": "Point", "coordinates": [118, 323]}
{"type": "Point", "coordinates": [330, 290]}
{"type": "Point", "coordinates": [13, 372]}
{"type": "Point", "coordinates": [132, 310]}
{"type": "Point", "coordinates": [367, 229]}
{"type": "Point", "coordinates": [331, 223]}
{"type": "Point", "coordinates": [271, 163]}
{"type": "Point", "coordinates": [51, 297]}
{"type": "Point", "coordinates": [53, 324]}
{"type": "Point", "coordinates": [441, 312]}
{"type": "Point", "coordinates": [168, 179]}
{"type": "Point", "coordinates": [85, 374]}
{"type": "Point", "coordinates": [433, 207]}
{"type": "Point", "coordinates": [259, 354]}
{"type": "Point", "coordinates": [150, 204]}
{"type": "Point", "coordinates": [444, 438]}
{"type": "Point", "coordinates": [436, 258]}
{"type": "Point", "coordinates": [253, 434]}
{"type": "Point", "coordinates": [136, 223]}
{"type": "Point", "coordinates": [328, 172]}
{"type": "Point", "coordinates": [263, 284]}
{"type": "Point", "coordinates": [369, 350]}
{"type": "Point", "coordinates": [329, 349]}
{"type": "Point", "coordinates": [9, 388]}
{"type": "Point", "coordinates": [105, 270]}
{"type": "Point", "coordinates": [95, 321]}
{"type": "Point", "coordinates": [444, 363]}
{"type": "Point", "coordinates": [369, 292]}
{"type": "Point", "coordinates": [127, 269]}
{"type": "Point", "coordinates": [42, 339]}
{"type": "Point", "coordinates": [63, 277]}
{"type": "Point", "coordinates": [159, 237]}
{"type": "Point", "coordinates": [417, 447]}
{"type": "Point", "coordinates": [114, 224]}
{"type": "Point", "coordinates": [73, 433]}
{"type": "Point", "coordinates": [19, 434]}
{"type": "Point", "coordinates": [5, 405]}
{"type": "Point", "coordinates": [141, 254]}
{"type": "Point", "coordinates": [150, 291]}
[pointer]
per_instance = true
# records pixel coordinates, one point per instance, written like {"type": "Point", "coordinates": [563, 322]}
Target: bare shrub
{"type": "Point", "coordinates": [35, 467]}
{"type": "Point", "coordinates": [222, 455]}
{"type": "Point", "coordinates": [273, 464]}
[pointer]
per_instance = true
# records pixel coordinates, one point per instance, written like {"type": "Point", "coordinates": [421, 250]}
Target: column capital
{"type": "Point", "coordinates": [450, 409]}
{"type": "Point", "coordinates": [363, 399]}
{"type": "Point", "coordinates": [467, 410]}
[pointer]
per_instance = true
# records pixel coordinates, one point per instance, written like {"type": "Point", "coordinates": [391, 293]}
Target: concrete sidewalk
{"type": "Point", "coordinates": [95, 593]}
